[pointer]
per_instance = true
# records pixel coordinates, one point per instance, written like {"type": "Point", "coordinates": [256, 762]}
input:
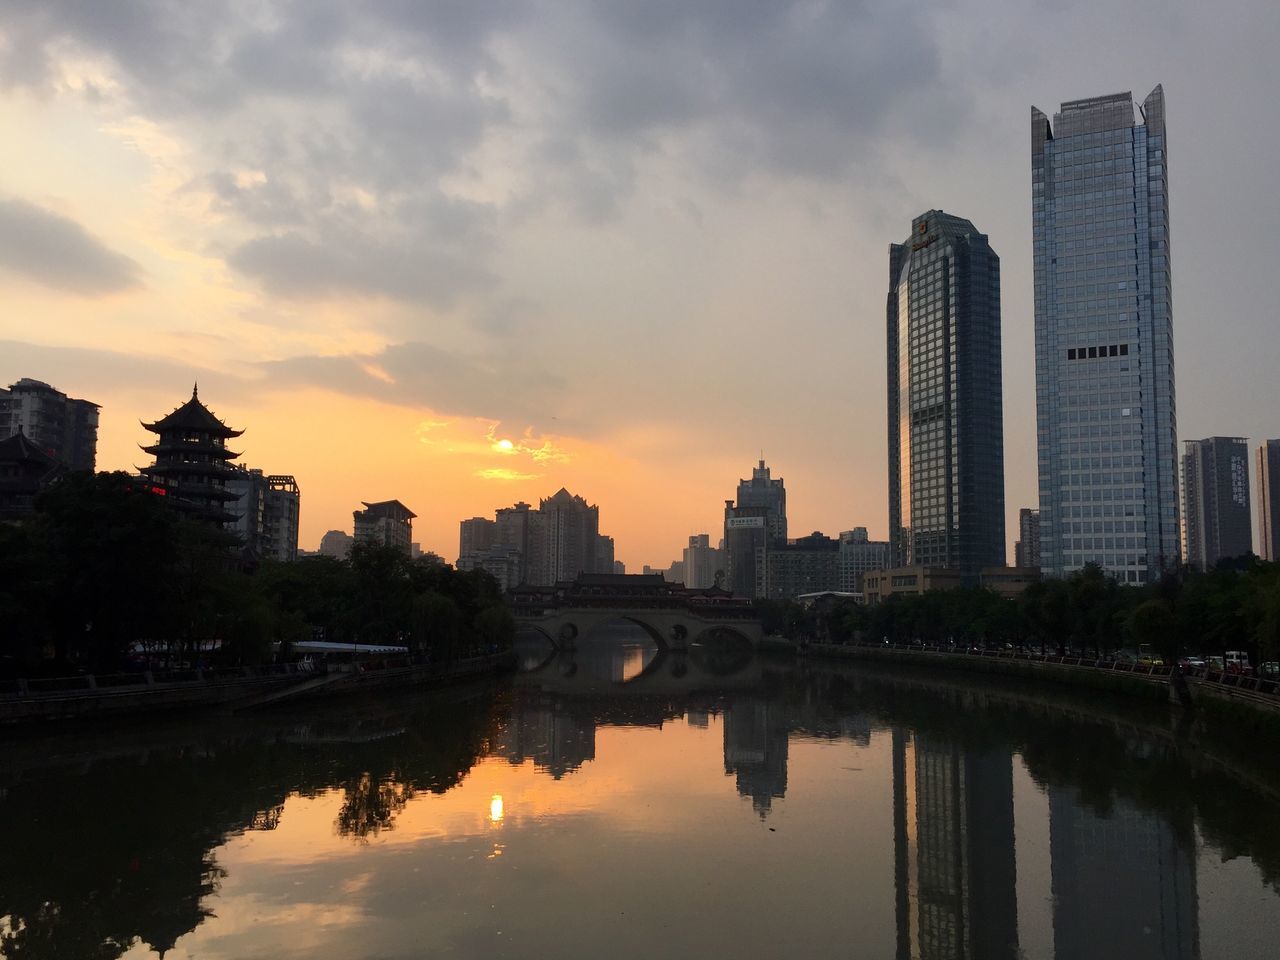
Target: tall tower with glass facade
{"type": "Point", "coordinates": [946, 420]}
{"type": "Point", "coordinates": [1215, 489]}
{"type": "Point", "coordinates": [1106, 429]}
{"type": "Point", "coordinates": [1269, 499]}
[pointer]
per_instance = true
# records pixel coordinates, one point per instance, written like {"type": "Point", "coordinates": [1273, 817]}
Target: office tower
{"type": "Point", "coordinates": [1215, 484]}
{"type": "Point", "coordinates": [1106, 427]}
{"type": "Point", "coordinates": [955, 873]}
{"type": "Point", "coordinates": [387, 523]}
{"type": "Point", "coordinates": [1124, 882]}
{"type": "Point", "coordinates": [525, 528]}
{"type": "Point", "coordinates": [572, 535]}
{"type": "Point", "coordinates": [64, 428]}
{"type": "Point", "coordinates": [758, 519]}
{"type": "Point", "coordinates": [192, 462]}
{"type": "Point", "coordinates": [859, 554]}
{"type": "Point", "coordinates": [946, 423]}
{"type": "Point", "coordinates": [763, 491]}
{"type": "Point", "coordinates": [1026, 551]}
{"type": "Point", "coordinates": [267, 513]}
{"type": "Point", "coordinates": [1269, 499]}
{"type": "Point", "coordinates": [701, 562]}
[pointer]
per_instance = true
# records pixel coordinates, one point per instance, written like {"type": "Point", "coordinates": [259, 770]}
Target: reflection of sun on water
{"type": "Point", "coordinates": [495, 808]}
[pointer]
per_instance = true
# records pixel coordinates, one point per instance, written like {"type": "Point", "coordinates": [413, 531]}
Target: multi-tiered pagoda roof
{"type": "Point", "coordinates": [192, 461]}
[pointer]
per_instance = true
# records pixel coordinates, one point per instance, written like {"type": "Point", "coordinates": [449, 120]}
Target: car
{"type": "Point", "coordinates": [1191, 663]}
{"type": "Point", "coordinates": [1216, 664]}
{"type": "Point", "coordinates": [1270, 670]}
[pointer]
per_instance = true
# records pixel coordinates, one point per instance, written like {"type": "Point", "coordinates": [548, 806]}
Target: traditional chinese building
{"type": "Point", "coordinates": [193, 462]}
{"type": "Point", "coordinates": [25, 470]}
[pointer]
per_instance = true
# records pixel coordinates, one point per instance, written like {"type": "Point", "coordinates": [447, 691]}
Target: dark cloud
{"type": "Point", "coordinates": [394, 97]}
{"type": "Point", "coordinates": [429, 249]}
{"type": "Point", "coordinates": [507, 385]}
{"type": "Point", "coordinates": [57, 252]}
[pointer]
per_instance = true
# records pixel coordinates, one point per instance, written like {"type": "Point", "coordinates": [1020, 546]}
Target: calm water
{"type": "Point", "coordinates": [623, 803]}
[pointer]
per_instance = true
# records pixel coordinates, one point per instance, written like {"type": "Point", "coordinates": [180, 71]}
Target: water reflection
{"type": "Point", "coordinates": [895, 802]}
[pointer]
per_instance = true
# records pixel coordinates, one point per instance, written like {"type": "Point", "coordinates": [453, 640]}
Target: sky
{"type": "Point", "coordinates": [642, 242]}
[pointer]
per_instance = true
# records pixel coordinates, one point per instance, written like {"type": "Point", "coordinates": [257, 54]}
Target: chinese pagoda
{"type": "Point", "coordinates": [192, 461]}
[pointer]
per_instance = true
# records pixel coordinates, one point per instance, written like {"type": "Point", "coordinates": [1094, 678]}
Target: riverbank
{"type": "Point", "coordinates": [1247, 709]}
{"type": "Point", "coordinates": [90, 698]}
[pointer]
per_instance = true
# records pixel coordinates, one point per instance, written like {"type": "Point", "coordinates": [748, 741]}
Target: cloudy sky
{"type": "Point", "coordinates": [642, 241]}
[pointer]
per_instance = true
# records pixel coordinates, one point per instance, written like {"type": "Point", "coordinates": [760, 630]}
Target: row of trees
{"type": "Point", "coordinates": [1235, 607]}
{"type": "Point", "coordinates": [102, 566]}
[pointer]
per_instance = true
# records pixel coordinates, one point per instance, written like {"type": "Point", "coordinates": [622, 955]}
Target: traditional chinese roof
{"type": "Point", "coordinates": [19, 449]}
{"type": "Point", "coordinates": [193, 416]}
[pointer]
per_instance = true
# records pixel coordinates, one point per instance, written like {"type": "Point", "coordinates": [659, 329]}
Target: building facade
{"type": "Point", "coordinates": [64, 428]}
{"type": "Point", "coordinates": [476, 535]}
{"type": "Point", "coordinates": [193, 464]}
{"type": "Point", "coordinates": [946, 419]}
{"type": "Point", "coordinates": [336, 544]}
{"type": "Point", "coordinates": [502, 561]}
{"type": "Point", "coordinates": [25, 470]}
{"type": "Point", "coordinates": [267, 513]}
{"type": "Point", "coordinates": [758, 519]}
{"type": "Point", "coordinates": [1026, 552]}
{"type": "Point", "coordinates": [702, 562]}
{"type": "Point", "coordinates": [573, 535]}
{"type": "Point", "coordinates": [859, 555]}
{"type": "Point", "coordinates": [761, 490]}
{"type": "Point", "coordinates": [1269, 500]}
{"type": "Point", "coordinates": [1106, 425]}
{"type": "Point", "coordinates": [387, 523]}
{"type": "Point", "coordinates": [1215, 508]}
{"type": "Point", "coordinates": [809, 564]}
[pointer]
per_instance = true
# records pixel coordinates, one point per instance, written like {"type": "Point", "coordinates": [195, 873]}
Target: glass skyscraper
{"type": "Point", "coordinates": [946, 420]}
{"type": "Point", "coordinates": [1106, 428]}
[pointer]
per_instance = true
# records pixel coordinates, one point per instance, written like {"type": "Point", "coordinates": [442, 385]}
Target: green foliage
{"type": "Point", "coordinates": [102, 565]}
{"type": "Point", "coordinates": [1235, 607]}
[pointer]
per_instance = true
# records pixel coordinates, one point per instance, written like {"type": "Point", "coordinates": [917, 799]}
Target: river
{"type": "Point", "coordinates": [624, 803]}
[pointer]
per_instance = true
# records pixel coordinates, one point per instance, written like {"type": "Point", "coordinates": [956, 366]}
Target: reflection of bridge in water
{"type": "Point", "coordinates": [672, 615]}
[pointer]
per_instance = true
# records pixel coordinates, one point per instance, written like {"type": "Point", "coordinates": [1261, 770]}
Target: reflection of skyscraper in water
{"type": "Point", "coordinates": [1124, 885]}
{"type": "Point", "coordinates": [556, 742]}
{"type": "Point", "coordinates": [755, 751]}
{"type": "Point", "coordinates": [953, 851]}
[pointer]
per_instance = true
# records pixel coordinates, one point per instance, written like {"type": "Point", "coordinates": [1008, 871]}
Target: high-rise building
{"type": "Point", "coordinates": [858, 555]}
{"type": "Point", "coordinates": [1106, 426]}
{"type": "Point", "coordinates": [501, 561]}
{"type": "Point", "coordinates": [1026, 551]}
{"type": "Point", "coordinates": [763, 491]}
{"type": "Point", "coordinates": [946, 420]}
{"type": "Point", "coordinates": [192, 462]}
{"type": "Point", "coordinates": [387, 523]}
{"type": "Point", "coordinates": [701, 562]}
{"type": "Point", "coordinates": [64, 428]}
{"type": "Point", "coordinates": [758, 519]}
{"type": "Point", "coordinates": [267, 513]}
{"type": "Point", "coordinates": [1269, 499]}
{"type": "Point", "coordinates": [573, 532]}
{"type": "Point", "coordinates": [1215, 485]}
{"type": "Point", "coordinates": [476, 535]}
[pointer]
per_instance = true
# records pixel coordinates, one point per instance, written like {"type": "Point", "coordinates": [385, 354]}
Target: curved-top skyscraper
{"type": "Point", "coordinates": [946, 418]}
{"type": "Point", "coordinates": [1106, 432]}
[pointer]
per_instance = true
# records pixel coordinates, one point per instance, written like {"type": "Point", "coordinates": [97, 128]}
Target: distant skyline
{"type": "Point", "coordinates": [640, 244]}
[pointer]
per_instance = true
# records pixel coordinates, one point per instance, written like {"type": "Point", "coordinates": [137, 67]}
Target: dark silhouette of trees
{"type": "Point", "coordinates": [104, 567]}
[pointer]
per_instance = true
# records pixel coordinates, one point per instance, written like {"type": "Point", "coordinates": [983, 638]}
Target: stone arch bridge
{"type": "Point", "coordinates": [672, 614]}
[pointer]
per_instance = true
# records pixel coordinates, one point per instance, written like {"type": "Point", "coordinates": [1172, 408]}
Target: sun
{"type": "Point", "coordinates": [505, 445]}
